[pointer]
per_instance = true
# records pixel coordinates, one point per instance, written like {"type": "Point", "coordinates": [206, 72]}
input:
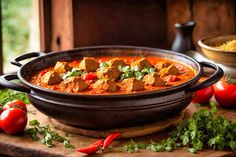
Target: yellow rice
{"type": "Point", "coordinates": [228, 46]}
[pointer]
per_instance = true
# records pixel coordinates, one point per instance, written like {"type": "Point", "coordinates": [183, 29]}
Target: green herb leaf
{"type": "Point", "coordinates": [203, 130]}
{"type": "Point", "coordinates": [103, 64]}
{"type": "Point", "coordinates": [73, 72]}
{"type": "Point", "coordinates": [48, 136]}
{"type": "Point", "coordinates": [138, 75]}
{"type": "Point", "coordinates": [34, 123]}
{"type": "Point", "coordinates": [198, 105]}
{"type": "Point", "coordinates": [67, 144]}
{"type": "Point", "coordinates": [7, 95]}
{"type": "Point", "coordinates": [230, 80]}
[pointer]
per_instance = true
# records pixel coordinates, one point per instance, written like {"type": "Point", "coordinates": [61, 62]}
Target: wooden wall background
{"type": "Point", "coordinates": [67, 24]}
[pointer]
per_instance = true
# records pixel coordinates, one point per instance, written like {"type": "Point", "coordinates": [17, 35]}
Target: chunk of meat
{"type": "Point", "coordinates": [51, 78]}
{"type": "Point", "coordinates": [74, 84]}
{"type": "Point", "coordinates": [153, 80]}
{"type": "Point", "coordinates": [110, 73]}
{"type": "Point", "coordinates": [105, 86]}
{"type": "Point", "coordinates": [116, 62]}
{"type": "Point", "coordinates": [160, 65]}
{"type": "Point", "coordinates": [62, 67]}
{"type": "Point", "coordinates": [171, 70]}
{"type": "Point", "coordinates": [141, 63]}
{"type": "Point", "coordinates": [132, 84]}
{"type": "Point", "coordinates": [89, 64]}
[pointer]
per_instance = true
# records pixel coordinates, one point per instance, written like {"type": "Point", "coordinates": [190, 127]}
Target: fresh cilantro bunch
{"type": "Point", "coordinates": [73, 72]}
{"type": "Point", "coordinates": [203, 130]}
{"type": "Point", "coordinates": [129, 72]}
{"type": "Point", "coordinates": [7, 95]}
{"type": "Point", "coordinates": [48, 135]}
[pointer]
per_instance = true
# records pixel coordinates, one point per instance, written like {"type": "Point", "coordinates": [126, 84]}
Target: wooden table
{"type": "Point", "coordinates": [23, 146]}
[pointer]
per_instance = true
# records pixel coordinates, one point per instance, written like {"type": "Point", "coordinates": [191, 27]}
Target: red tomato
{"type": "Point", "coordinates": [13, 120]}
{"type": "Point", "coordinates": [225, 93]}
{"type": "Point", "coordinates": [202, 96]}
{"type": "Point", "coordinates": [89, 76]}
{"type": "Point", "coordinates": [172, 78]}
{"type": "Point", "coordinates": [15, 104]}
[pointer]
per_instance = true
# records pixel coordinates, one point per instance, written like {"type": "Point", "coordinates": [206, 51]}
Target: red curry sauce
{"type": "Point", "coordinates": [185, 74]}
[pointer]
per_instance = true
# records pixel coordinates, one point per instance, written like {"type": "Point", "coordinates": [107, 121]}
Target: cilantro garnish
{"type": "Point", "coordinates": [103, 64]}
{"type": "Point", "coordinates": [48, 136]}
{"type": "Point", "coordinates": [203, 130]}
{"type": "Point", "coordinates": [130, 72]}
{"type": "Point", "coordinates": [73, 72]}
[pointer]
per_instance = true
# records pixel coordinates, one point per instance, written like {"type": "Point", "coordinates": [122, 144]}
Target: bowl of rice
{"type": "Point", "coordinates": [220, 48]}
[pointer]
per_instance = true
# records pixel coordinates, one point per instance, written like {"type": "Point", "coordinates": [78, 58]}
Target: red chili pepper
{"type": "Point", "coordinates": [98, 143]}
{"type": "Point", "coordinates": [89, 76]}
{"type": "Point", "coordinates": [89, 150]}
{"type": "Point", "coordinates": [92, 148]}
{"type": "Point", "coordinates": [109, 139]}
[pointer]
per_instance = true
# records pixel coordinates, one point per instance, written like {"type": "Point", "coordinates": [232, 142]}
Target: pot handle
{"type": "Point", "coordinates": [218, 74]}
{"type": "Point", "coordinates": [5, 81]}
{"type": "Point", "coordinates": [16, 60]}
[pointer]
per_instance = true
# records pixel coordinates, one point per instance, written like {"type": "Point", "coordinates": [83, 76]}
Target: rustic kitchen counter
{"type": "Point", "coordinates": [23, 146]}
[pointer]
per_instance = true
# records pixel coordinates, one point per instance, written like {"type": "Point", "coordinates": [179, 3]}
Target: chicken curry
{"type": "Point", "coordinates": [109, 75]}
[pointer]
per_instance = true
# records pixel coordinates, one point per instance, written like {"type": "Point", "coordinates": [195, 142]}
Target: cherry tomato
{"type": "Point", "coordinates": [89, 76]}
{"type": "Point", "coordinates": [15, 104]}
{"type": "Point", "coordinates": [13, 120]}
{"type": "Point", "coordinates": [225, 92]}
{"type": "Point", "coordinates": [202, 96]}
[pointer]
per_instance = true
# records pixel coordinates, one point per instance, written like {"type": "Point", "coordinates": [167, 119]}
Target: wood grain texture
{"type": "Point", "coordinates": [45, 25]}
{"type": "Point", "coordinates": [129, 132]}
{"type": "Point", "coordinates": [214, 17]}
{"type": "Point", "coordinates": [106, 22]}
{"type": "Point", "coordinates": [75, 23]}
{"type": "Point", "coordinates": [1, 57]}
{"type": "Point", "coordinates": [61, 27]}
{"type": "Point", "coordinates": [22, 145]}
{"type": "Point", "coordinates": [178, 11]}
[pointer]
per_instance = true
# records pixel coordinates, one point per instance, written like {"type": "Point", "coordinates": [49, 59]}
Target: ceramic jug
{"type": "Point", "coordinates": [183, 39]}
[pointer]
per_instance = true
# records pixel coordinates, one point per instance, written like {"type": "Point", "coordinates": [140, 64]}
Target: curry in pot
{"type": "Point", "coordinates": [109, 75]}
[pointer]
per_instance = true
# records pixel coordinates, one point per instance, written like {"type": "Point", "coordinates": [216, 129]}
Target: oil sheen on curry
{"type": "Point", "coordinates": [113, 75]}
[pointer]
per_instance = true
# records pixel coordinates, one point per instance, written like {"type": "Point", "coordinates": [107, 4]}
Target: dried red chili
{"type": "Point", "coordinates": [109, 139]}
{"type": "Point", "coordinates": [92, 148]}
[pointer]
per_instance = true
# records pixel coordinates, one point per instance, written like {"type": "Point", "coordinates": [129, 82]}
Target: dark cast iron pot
{"type": "Point", "coordinates": [108, 111]}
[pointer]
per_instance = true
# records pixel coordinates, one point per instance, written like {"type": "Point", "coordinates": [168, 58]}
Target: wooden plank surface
{"type": "Point", "coordinates": [22, 145]}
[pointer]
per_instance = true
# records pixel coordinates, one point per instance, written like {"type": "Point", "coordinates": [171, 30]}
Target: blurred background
{"type": "Point", "coordinates": [20, 30]}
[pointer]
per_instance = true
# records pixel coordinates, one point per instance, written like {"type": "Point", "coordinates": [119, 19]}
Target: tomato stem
{"type": "Point", "coordinates": [230, 80]}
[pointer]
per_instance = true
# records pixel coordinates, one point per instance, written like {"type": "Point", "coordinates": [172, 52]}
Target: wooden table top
{"type": "Point", "coordinates": [23, 146]}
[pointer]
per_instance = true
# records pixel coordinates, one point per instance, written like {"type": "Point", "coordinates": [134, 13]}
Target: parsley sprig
{"type": "Point", "coordinates": [47, 134]}
{"type": "Point", "coordinates": [7, 95]}
{"type": "Point", "coordinates": [129, 72]}
{"type": "Point", "coordinates": [203, 130]}
{"type": "Point", "coordinates": [73, 72]}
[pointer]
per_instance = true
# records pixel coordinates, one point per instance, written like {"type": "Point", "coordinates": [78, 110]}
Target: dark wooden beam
{"type": "Point", "coordinates": [45, 25]}
{"type": "Point", "coordinates": [1, 56]}
{"type": "Point", "coordinates": [106, 22]}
